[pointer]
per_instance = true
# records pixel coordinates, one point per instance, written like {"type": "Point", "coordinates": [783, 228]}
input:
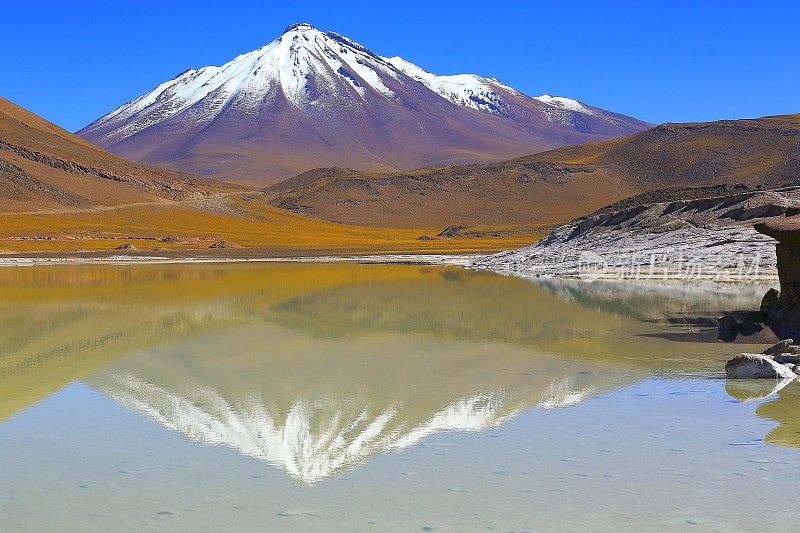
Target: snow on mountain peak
{"type": "Point", "coordinates": [484, 94]}
{"type": "Point", "coordinates": [299, 26]}
{"type": "Point", "coordinates": [353, 105]}
{"type": "Point", "coordinates": [304, 64]}
{"type": "Point", "coordinates": [308, 65]}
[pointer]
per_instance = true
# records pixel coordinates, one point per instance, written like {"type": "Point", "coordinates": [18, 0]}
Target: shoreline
{"type": "Point", "coordinates": [674, 274]}
{"type": "Point", "coordinates": [468, 261]}
{"type": "Point", "coordinates": [463, 260]}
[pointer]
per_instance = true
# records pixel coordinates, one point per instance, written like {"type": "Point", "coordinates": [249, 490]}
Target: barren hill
{"type": "Point", "coordinates": [43, 167]}
{"type": "Point", "coordinates": [558, 185]}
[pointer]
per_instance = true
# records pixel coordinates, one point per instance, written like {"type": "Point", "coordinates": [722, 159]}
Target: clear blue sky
{"type": "Point", "coordinates": [659, 61]}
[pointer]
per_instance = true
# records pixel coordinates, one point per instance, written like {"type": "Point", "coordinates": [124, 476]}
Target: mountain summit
{"type": "Point", "coordinates": [311, 99]}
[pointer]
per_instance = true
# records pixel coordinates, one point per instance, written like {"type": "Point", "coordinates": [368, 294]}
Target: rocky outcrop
{"type": "Point", "coordinates": [680, 234]}
{"type": "Point", "coordinates": [61, 164]}
{"type": "Point", "coordinates": [224, 245]}
{"type": "Point", "coordinates": [783, 309]}
{"type": "Point", "coordinates": [786, 231]}
{"type": "Point", "coordinates": [757, 366]}
{"type": "Point", "coordinates": [785, 346]}
{"type": "Point", "coordinates": [17, 184]}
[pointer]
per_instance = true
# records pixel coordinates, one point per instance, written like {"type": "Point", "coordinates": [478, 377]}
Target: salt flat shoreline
{"type": "Point", "coordinates": [469, 261]}
{"type": "Point", "coordinates": [668, 273]}
{"type": "Point", "coordinates": [118, 259]}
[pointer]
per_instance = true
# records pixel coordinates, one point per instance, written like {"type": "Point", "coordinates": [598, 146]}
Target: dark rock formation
{"type": "Point", "coordinates": [784, 346]}
{"type": "Point", "coordinates": [783, 310]}
{"type": "Point", "coordinates": [745, 323]}
{"type": "Point", "coordinates": [224, 244]}
{"type": "Point", "coordinates": [452, 231]}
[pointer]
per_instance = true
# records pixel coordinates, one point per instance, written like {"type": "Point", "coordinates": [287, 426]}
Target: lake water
{"type": "Point", "coordinates": [319, 397]}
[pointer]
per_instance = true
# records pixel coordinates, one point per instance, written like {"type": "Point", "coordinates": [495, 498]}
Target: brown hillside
{"type": "Point", "coordinates": [44, 167]}
{"type": "Point", "coordinates": [756, 152]}
{"type": "Point", "coordinates": [558, 185]}
{"type": "Point", "coordinates": [59, 193]}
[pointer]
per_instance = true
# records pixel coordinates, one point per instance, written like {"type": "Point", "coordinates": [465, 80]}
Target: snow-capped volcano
{"type": "Point", "coordinates": [312, 99]}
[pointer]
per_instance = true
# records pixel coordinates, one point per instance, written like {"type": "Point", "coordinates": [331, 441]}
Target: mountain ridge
{"type": "Point", "coordinates": [558, 185]}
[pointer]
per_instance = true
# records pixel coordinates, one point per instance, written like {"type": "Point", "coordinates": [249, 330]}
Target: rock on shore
{"type": "Point", "coordinates": [749, 365]}
{"type": "Point", "coordinates": [780, 361]}
{"type": "Point", "coordinates": [680, 234]}
{"type": "Point", "coordinates": [783, 308]}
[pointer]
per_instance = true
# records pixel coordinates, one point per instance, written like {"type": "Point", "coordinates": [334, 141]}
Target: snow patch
{"type": "Point", "coordinates": [564, 103]}
{"type": "Point", "coordinates": [468, 90]}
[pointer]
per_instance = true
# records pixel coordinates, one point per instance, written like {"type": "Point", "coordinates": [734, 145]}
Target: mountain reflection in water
{"type": "Point", "coordinates": [316, 407]}
{"type": "Point", "coordinates": [316, 368]}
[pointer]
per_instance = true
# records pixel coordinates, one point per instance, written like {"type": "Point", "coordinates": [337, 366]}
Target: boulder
{"type": "Point", "coordinates": [770, 299]}
{"type": "Point", "coordinates": [745, 323]}
{"type": "Point", "coordinates": [782, 347]}
{"type": "Point", "coordinates": [224, 244]}
{"type": "Point", "coordinates": [786, 359]}
{"type": "Point", "coordinates": [783, 309]}
{"type": "Point", "coordinates": [728, 328]}
{"type": "Point", "coordinates": [756, 366]}
{"type": "Point", "coordinates": [748, 329]}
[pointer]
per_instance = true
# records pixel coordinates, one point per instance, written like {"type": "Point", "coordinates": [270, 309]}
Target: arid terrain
{"type": "Point", "coordinates": [558, 185]}
{"type": "Point", "coordinates": [44, 167]}
{"type": "Point", "coordinates": [61, 193]}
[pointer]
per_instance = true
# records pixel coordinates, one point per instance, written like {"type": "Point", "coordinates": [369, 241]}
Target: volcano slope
{"type": "Point", "coordinates": [314, 99]}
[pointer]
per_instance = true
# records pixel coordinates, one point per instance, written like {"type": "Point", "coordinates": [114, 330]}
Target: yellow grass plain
{"type": "Point", "coordinates": [246, 224]}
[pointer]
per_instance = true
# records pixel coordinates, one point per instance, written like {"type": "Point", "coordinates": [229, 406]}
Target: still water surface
{"type": "Point", "coordinates": [379, 397]}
